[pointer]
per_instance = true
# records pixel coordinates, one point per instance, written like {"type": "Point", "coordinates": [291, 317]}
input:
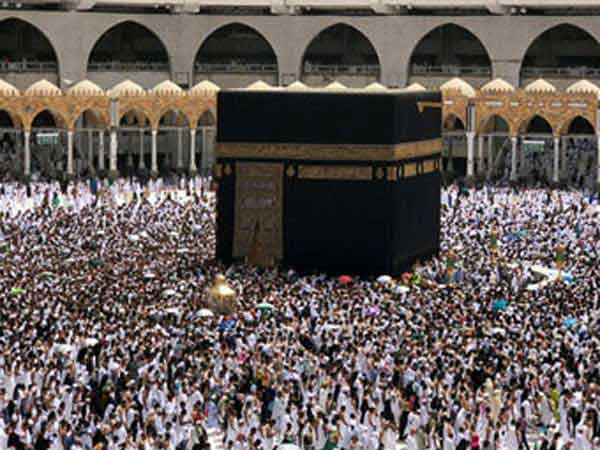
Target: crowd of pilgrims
{"type": "Point", "coordinates": [102, 345]}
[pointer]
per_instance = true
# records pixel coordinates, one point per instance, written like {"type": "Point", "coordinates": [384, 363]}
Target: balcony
{"type": "Point", "coordinates": [321, 69]}
{"type": "Point", "coordinates": [474, 71]}
{"type": "Point", "coordinates": [233, 68]}
{"type": "Point", "coordinates": [116, 66]}
{"type": "Point", "coordinates": [560, 72]}
{"type": "Point", "coordinates": [28, 67]}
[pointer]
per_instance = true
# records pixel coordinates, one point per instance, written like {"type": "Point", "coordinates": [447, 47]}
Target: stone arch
{"type": "Point", "coordinates": [536, 124]}
{"type": "Point", "coordinates": [207, 119]}
{"type": "Point", "coordinates": [48, 118]}
{"type": "Point", "coordinates": [98, 119]}
{"type": "Point", "coordinates": [26, 47]}
{"type": "Point", "coordinates": [133, 117]}
{"type": "Point", "coordinates": [136, 43]}
{"type": "Point", "coordinates": [172, 116]}
{"type": "Point", "coordinates": [341, 45]}
{"type": "Point", "coordinates": [577, 125]}
{"type": "Point", "coordinates": [236, 48]}
{"type": "Point", "coordinates": [10, 119]}
{"type": "Point", "coordinates": [209, 114]}
{"type": "Point", "coordinates": [453, 123]}
{"type": "Point", "coordinates": [494, 123]}
{"type": "Point", "coordinates": [541, 58]}
{"type": "Point", "coordinates": [439, 52]}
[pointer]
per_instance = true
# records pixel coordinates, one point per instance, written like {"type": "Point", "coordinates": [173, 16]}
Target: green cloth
{"type": "Point", "coordinates": [330, 445]}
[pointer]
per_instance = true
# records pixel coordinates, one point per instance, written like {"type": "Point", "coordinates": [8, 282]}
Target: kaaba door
{"type": "Point", "coordinates": [258, 227]}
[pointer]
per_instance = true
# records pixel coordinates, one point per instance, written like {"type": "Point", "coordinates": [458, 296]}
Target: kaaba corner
{"type": "Point", "coordinates": [338, 182]}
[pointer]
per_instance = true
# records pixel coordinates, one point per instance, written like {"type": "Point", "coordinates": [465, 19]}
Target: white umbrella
{"type": "Point", "coordinates": [401, 290]}
{"type": "Point", "coordinates": [174, 311]}
{"type": "Point", "coordinates": [384, 279]}
{"type": "Point", "coordinates": [205, 313]}
{"type": "Point", "coordinates": [90, 342]}
{"type": "Point", "coordinates": [498, 330]}
{"type": "Point", "coordinates": [169, 292]}
{"type": "Point", "coordinates": [134, 238]}
{"type": "Point", "coordinates": [288, 447]}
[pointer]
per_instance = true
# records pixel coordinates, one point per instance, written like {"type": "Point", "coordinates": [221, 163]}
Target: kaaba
{"type": "Point", "coordinates": [335, 182]}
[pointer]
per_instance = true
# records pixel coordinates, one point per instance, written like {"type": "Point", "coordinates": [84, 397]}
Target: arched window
{"type": "Point", "coordinates": [496, 125]}
{"type": "Point", "coordinates": [537, 125]}
{"type": "Point", "coordinates": [450, 51]}
{"type": "Point", "coordinates": [340, 52]}
{"type": "Point", "coordinates": [129, 46]}
{"type": "Point", "coordinates": [453, 123]}
{"type": "Point", "coordinates": [24, 48]}
{"type": "Point", "coordinates": [579, 125]}
{"type": "Point", "coordinates": [564, 51]}
{"type": "Point", "coordinates": [235, 56]}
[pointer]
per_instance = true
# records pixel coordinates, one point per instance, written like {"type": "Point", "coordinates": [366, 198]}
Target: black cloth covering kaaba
{"type": "Point", "coordinates": [350, 184]}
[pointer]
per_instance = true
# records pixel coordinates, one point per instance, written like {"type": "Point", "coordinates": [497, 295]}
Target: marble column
{"type": "Point", "coordinates": [598, 159]}
{"type": "Point", "coordinates": [490, 168]}
{"type": "Point", "coordinates": [113, 151]}
{"type": "Point", "coordinates": [480, 157]}
{"type": "Point", "coordinates": [90, 149]}
{"type": "Point", "coordinates": [470, 154]}
{"type": "Point", "coordinates": [154, 154]}
{"type": "Point", "coordinates": [556, 167]}
{"type": "Point", "coordinates": [142, 162]}
{"type": "Point", "coordinates": [27, 156]}
{"type": "Point", "coordinates": [513, 166]}
{"type": "Point", "coordinates": [564, 170]}
{"type": "Point", "coordinates": [193, 150]}
{"type": "Point", "coordinates": [70, 152]}
{"type": "Point", "coordinates": [450, 163]}
{"type": "Point", "coordinates": [101, 150]}
{"type": "Point", "coordinates": [180, 148]}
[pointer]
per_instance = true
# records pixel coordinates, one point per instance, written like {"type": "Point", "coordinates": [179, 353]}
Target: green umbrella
{"type": "Point", "coordinates": [96, 262]}
{"type": "Point", "coordinates": [265, 306]}
{"type": "Point", "coordinates": [17, 291]}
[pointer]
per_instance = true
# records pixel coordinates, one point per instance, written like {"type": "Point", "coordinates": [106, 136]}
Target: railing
{"type": "Point", "coordinates": [320, 69]}
{"type": "Point", "coordinates": [236, 68]}
{"type": "Point", "coordinates": [560, 72]}
{"type": "Point", "coordinates": [417, 69]}
{"type": "Point", "coordinates": [117, 66]}
{"type": "Point", "coordinates": [28, 66]}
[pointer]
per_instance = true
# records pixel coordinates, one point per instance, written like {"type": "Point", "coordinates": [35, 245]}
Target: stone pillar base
{"type": "Point", "coordinates": [113, 174]}
{"type": "Point", "coordinates": [471, 180]}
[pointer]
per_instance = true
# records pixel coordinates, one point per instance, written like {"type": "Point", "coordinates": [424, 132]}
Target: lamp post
{"type": "Point", "coordinates": [560, 258]}
{"type": "Point", "coordinates": [451, 259]}
{"type": "Point", "coordinates": [222, 296]}
{"type": "Point", "coordinates": [114, 123]}
{"type": "Point", "coordinates": [493, 242]}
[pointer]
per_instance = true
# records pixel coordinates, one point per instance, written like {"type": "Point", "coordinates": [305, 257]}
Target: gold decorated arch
{"type": "Point", "coordinates": [516, 108]}
{"type": "Point", "coordinates": [66, 109]}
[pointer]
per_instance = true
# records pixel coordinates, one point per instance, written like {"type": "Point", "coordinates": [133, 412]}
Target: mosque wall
{"type": "Point", "coordinates": [147, 80]}
{"type": "Point", "coordinates": [505, 38]}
